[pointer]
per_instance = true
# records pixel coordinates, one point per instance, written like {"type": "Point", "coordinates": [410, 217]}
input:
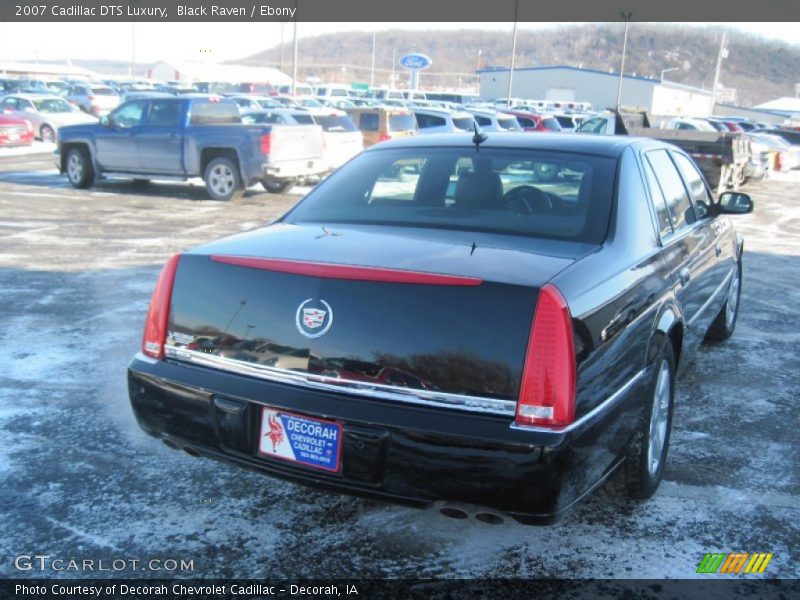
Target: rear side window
{"type": "Point", "coordinates": [368, 122]}
{"type": "Point", "coordinates": [551, 124]}
{"type": "Point", "coordinates": [483, 121]}
{"type": "Point", "coordinates": [659, 203]}
{"type": "Point", "coordinates": [425, 121]}
{"type": "Point", "coordinates": [164, 113]}
{"type": "Point", "coordinates": [694, 181]}
{"type": "Point", "coordinates": [508, 123]}
{"type": "Point", "coordinates": [526, 122]}
{"type": "Point", "coordinates": [405, 122]}
{"type": "Point", "coordinates": [303, 119]}
{"type": "Point", "coordinates": [680, 208]}
{"type": "Point", "coordinates": [336, 123]}
{"type": "Point", "coordinates": [215, 113]}
{"type": "Point", "coordinates": [464, 123]}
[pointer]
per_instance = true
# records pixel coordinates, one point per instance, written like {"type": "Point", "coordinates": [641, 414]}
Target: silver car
{"type": "Point", "coordinates": [432, 120]}
{"type": "Point", "coordinates": [92, 98]}
{"type": "Point", "coordinates": [46, 113]}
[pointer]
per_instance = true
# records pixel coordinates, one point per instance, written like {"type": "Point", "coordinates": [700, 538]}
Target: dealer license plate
{"type": "Point", "coordinates": [300, 439]}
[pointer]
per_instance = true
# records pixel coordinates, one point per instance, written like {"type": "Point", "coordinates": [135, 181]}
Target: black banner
{"type": "Point", "coordinates": [500, 589]}
{"type": "Point", "coordinates": [396, 11]}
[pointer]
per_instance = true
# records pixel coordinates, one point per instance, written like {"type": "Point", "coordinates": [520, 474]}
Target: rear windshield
{"type": "Point", "coordinates": [405, 122]}
{"type": "Point", "coordinates": [215, 113]}
{"type": "Point", "coordinates": [519, 191]}
{"type": "Point", "coordinates": [336, 123]}
{"type": "Point", "coordinates": [566, 122]}
{"type": "Point", "coordinates": [103, 91]}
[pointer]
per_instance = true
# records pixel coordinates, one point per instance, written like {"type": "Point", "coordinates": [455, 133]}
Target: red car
{"type": "Point", "coordinates": [535, 122]}
{"type": "Point", "coordinates": [15, 131]}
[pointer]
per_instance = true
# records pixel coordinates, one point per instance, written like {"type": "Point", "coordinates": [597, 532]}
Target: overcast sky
{"type": "Point", "coordinates": [227, 41]}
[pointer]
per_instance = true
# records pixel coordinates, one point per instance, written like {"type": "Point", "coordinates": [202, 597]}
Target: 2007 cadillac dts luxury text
{"type": "Point", "coordinates": [497, 320]}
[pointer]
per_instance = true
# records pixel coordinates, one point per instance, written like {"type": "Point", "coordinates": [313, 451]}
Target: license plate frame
{"type": "Point", "coordinates": [300, 439]}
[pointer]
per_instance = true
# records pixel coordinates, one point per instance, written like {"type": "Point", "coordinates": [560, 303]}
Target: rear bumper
{"type": "Point", "coordinates": [393, 450]}
{"type": "Point", "coordinates": [294, 168]}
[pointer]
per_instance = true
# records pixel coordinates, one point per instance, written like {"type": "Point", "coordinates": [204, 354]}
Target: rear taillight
{"type": "Point", "coordinates": [266, 143]}
{"type": "Point", "coordinates": [384, 136]}
{"type": "Point", "coordinates": [155, 328]}
{"type": "Point", "coordinates": [547, 393]}
{"type": "Point", "coordinates": [90, 97]}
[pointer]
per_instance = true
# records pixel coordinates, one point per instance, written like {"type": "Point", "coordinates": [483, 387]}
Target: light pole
{"type": "Point", "coordinates": [513, 52]}
{"type": "Point", "coordinates": [478, 68]}
{"type": "Point", "coordinates": [282, 24]}
{"type": "Point", "coordinates": [394, 62]}
{"type": "Point", "coordinates": [667, 71]}
{"type": "Point", "coordinates": [627, 17]}
{"type": "Point", "coordinates": [372, 68]}
{"type": "Point", "coordinates": [723, 53]}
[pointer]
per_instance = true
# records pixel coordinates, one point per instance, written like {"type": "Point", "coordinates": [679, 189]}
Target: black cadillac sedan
{"type": "Point", "coordinates": [492, 320]}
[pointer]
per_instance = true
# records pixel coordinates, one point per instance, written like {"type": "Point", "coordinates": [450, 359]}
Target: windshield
{"type": "Point", "coordinates": [509, 123]}
{"type": "Point", "coordinates": [519, 191]}
{"type": "Point", "coordinates": [464, 123]}
{"type": "Point", "coordinates": [52, 105]}
{"type": "Point", "coordinates": [303, 119]}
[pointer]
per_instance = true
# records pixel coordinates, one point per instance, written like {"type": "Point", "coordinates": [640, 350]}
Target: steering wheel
{"type": "Point", "coordinates": [526, 199]}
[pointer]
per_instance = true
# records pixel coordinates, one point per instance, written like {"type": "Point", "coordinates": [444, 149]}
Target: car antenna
{"type": "Point", "coordinates": [479, 137]}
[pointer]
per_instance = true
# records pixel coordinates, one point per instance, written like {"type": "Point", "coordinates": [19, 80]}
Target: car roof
{"type": "Point", "coordinates": [31, 96]}
{"type": "Point", "coordinates": [601, 145]}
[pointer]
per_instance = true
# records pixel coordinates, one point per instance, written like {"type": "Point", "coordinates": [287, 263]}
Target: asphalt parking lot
{"type": "Point", "coordinates": [81, 480]}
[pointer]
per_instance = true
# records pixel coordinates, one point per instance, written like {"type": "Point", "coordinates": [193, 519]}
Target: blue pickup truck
{"type": "Point", "coordinates": [190, 136]}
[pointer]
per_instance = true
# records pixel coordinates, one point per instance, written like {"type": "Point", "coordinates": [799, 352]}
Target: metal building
{"type": "Point", "coordinates": [565, 83]}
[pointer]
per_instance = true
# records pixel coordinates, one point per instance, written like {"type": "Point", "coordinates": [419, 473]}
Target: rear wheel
{"type": "Point", "coordinates": [222, 179]}
{"type": "Point", "coordinates": [722, 327]}
{"type": "Point", "coordinates": [647, 454]}
{"type": "Point", "coordinates": [278, 186]}
{"type": "Point", "coordinates": [47, 134]}
{"type": "Point", "coordinates": [80, 171]}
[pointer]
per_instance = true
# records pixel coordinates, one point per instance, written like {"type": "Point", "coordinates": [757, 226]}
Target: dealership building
{"type": "Point", "coordinates": [659, 98]}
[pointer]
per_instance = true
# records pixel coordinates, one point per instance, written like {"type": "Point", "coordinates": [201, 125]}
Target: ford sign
{"type": "Point", "coordinates": [415, 62]}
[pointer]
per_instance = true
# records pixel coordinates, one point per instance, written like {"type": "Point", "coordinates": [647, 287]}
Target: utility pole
{"type": "Point", "coordinates": [372, 68]}
{"type": "Point", "coordinates": [394, 62]}
{"type": "Point", "coordinates": [294, 54]}
{"type": "Point", "coordinates": [513, 53]}
{"type": "Point", "coordinates": [723, 53]}
{"type": "Point", "coordinates": [282, 24]}
{"type": "Point", "coordinates": [627, 18]}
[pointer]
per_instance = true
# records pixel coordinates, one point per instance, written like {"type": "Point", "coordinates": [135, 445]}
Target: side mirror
{"type": "Point", "coordinates": [105, 121]}
{"type": "Point", "coordinates": [734, 203]}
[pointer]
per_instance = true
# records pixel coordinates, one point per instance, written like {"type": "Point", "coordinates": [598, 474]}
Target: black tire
{"type": "Point", "coordinates": [725, 322]}
{"type": "Point", "coordinates": [278, 186]}
{"type": "Point", "coordinates": [642, 474]}
{"type": "Point", "coordinates": [222, 179]}
{"type": "Point", "coordinates": [141, 182]}
{"type": "Point", "coordinates": [79, 168]}
{"type": "Point", "coordinates": [47, 134]}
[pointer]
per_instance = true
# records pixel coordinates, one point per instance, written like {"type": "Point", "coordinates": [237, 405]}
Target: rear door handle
{"type": "Point", "coordinates": [684, 275]}
{"type": "Point", "coordinates": [717, 249]}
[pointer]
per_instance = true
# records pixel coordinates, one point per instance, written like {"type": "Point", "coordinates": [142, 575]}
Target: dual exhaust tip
{"type": "Point", "coordinates": [463, 511]}
{"type": "Point", "coordinates": [452, 510]}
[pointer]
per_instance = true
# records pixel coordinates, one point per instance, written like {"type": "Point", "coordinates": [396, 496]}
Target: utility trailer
{"type": "Point", "coordinates": [721, 155]}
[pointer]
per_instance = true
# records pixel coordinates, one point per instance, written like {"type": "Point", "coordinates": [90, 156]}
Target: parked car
{"type": "Point", "coordinates": [94, 99]}
{"type": "Point", "coordinates": [248, 103]}
{"type": "Point", "coordinates": [190, 136]}
{"type": "Point", "coordinates": [47, 114]}
{"type": "Point", "coordinates": [278, 116]}
{"type": "Point", "coordinates": [689, 124]}
{"type": "Point", "coordinates": [14, 130]}
{"type": "Point", "coordinates": [784, 156]}
{"type": "Point", "coordinates": [489, 120]}
{"type": "Point", "coordinates": [332, 91]}
{"type": "Point", "coordinates": [341, 139]}
{"type": "Point", "coordinates": [300, 89]}
{"type": "Point", "coordinates": [530, 121]}
{"type": "Point", "coordinates": [381, 123]}
{"type": "Point", "coordinates": [432, 120]}
{"type": "Point", "coordinates": [569, 122]}
{"type": "Point", "coordinates": [548, 322]}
